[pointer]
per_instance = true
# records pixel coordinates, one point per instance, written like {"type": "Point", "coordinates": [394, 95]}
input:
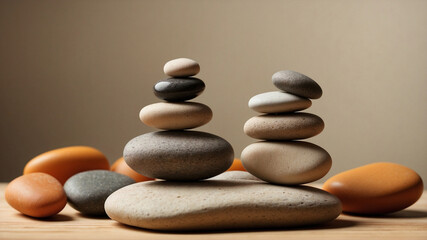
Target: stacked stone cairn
{"type": "Point", "coordinates": [280, 158]}
{"type": "Point", "coordinates": [233, 199]}
{"type": "Point", "coordinates": [177, 154]}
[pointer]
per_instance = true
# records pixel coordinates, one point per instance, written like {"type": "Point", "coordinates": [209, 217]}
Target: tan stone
{"type": "Point", "coordinates": [284, 126]}
{"type": "Point", "coordinates": [181, 67]}
{"type": "Point", "coordinates": [293, 162]}
{"type": "Point", "coordinates": [174, 116]}
{"type": "Point", "coordinates": [220, 204]}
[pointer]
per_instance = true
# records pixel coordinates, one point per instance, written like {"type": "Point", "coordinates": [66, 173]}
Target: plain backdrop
{"type": "Point", "coordinates": [78, 72]}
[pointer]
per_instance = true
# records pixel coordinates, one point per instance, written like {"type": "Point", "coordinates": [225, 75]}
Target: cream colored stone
{"type": "Point", "coordinates": [293, 162]}
{"type": "Point", "coordinates": [235, 175]}
{"type": "Point", "coordinates": [174, 116]}
{"type": "Point", "coordinates": [278, 102]}
{"type": "Point", "coordinates": [181, 67]}
{"type": "Point", "coordinates": [220, 204]}
{"type": "Point", "coordinates": [284, 126]}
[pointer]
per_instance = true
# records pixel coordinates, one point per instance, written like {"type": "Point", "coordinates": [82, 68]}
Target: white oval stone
{"type": "Point", "coordinates": [181, 67]}
{"type": "Point", "coordinates": [220, 204]}
{"type": "Point", "coordinates": [293, 162]}
{"type": "Point", "coordinates": [175, 116]}
{"type": "Point", "coordinates": [278, 102]}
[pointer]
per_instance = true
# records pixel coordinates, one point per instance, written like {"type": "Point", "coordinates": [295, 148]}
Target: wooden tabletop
{"type": "Point", "coordinates": [410, 223]}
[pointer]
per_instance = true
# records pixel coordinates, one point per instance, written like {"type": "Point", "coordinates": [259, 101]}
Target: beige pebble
{"type": "Point", "coordinates": [293, 162]}
{"type": "Point", "coordinates": [284, 126]}
{"type": "Point", "coordinates": [219, 205]}
{"type": "Point", "coordinates": [235, 175]}
{"type": "Point", "coordinates": [181, 67]}
{"type": "Point", "coordinates": [175, 116]}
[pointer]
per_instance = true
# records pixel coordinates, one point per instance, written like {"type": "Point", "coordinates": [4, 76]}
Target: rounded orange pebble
{"type": "Point", "coordinates": [377, 188]}
{"type": "Point", "coordinates": [237, 166]}
{"type": "Point", "coordinates": [36, 195]}
{"type": "Point", "coordinates": [121, 167]}
{"type": "Point", "coordinates": [62, 163]}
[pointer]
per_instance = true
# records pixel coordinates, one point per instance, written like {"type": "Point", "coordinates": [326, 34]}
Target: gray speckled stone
{"type": "Point", "coordinates": [297, 83]}
{"type": "Point", "coordinates": [179, 155]}
{"type": "Point", "coordinates": [87, 191]}
{"type": "Point", "coordinates": [220, 204]}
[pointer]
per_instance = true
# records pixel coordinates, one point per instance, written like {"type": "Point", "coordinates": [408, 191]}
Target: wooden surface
{"type": "Point", "coordinates": [407, 224]}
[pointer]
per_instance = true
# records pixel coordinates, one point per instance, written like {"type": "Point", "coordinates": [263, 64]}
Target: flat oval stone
{"type": "Point", "coordinates": [121, 167]}
{"type": "Point", "coordinates": [87, 191]}
{"type": "Point", "coordinates": [63, 163]}
{"type": "Point", "coordinates": [297, 83]}
{"type": "Point", "coordinates": [293, 162]}
{"type": "Point", "coordinates": [179, 155]}
{"type": "Point", "coordinates": [181, 67]}
{"type": "Point", "coordinates": [278, 102]}
{"type": "Point", "coordinates": [36, 195]}
{"type": "Point", "coordinates": [377, 188]}
{"type": "Point", "coordinates": [220, 205]}
{"type": "Point", "coordinates": [178, 89]}
{"type": "Point", "coordinates": [175, 116]}
{"type": "Point", "coordinates": [288, 126]}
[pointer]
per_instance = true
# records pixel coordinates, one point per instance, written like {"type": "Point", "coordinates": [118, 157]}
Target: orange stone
{"type": "Point", "coordinates": [120, 166]}
{"type": "Point", "coordinates": [36, 195]}
{"type": "Point", "coordinates": [236, 166]}
{"type": "Point", "coordinates": [62, 163]}
{"type": "Point", "coordinates": [377, 188]}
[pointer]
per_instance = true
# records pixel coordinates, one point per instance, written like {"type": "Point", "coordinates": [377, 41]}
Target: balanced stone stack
{"type": "Point", "coordinates": [231, 200]}
{"type": "Point", "coordinates": [279, 159]}
{"type": "Point", "coordinates": [177, 154]}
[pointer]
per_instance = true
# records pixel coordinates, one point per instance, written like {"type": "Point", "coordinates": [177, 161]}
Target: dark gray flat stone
{"type": "Point", "coordinates": [297, 83]}
{"type": "Point", "coordinates": [87, 191]}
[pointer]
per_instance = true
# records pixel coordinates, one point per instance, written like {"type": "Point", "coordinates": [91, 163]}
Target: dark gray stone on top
{"type": "Point", "coordinates": [297, 83]}
{"type": "Point", "coordinates": [178, 89]}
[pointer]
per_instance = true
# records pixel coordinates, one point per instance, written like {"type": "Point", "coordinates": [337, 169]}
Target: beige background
{"type": "Point", "coordinates": [78, 72]}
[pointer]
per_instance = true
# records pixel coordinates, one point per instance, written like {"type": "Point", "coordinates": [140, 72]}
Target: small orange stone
{"type": "Point", "coordinates": [237, 166]}
{"type": "Point", "coordinates": [62, 163]}
{"type": "Point", "coordinates": [121, 167]}
{"type": "Point", "coordinates": [377, 188]}
{"type": "Point", "coordinates": [36, 195]}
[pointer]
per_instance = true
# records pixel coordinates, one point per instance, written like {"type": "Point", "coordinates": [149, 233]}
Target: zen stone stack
{"type": "Point", "coordinates": [279, 159]}
{"type": "Point", "coordinates": [232, 200]}
{"type": "Point", "coordinates": [178, 154]}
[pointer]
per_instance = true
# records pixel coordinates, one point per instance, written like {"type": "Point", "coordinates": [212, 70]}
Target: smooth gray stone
{"type": "Point", "coordinates": [87, 191]}
{"type": "Point", "coordinates": [219, 205]}
{"type": "Point", "coordinates": [179, 155]}
{"type": "Point", "coordinates": [297, 83]}
{"type": "Point", "coordinates": [178, 89]}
